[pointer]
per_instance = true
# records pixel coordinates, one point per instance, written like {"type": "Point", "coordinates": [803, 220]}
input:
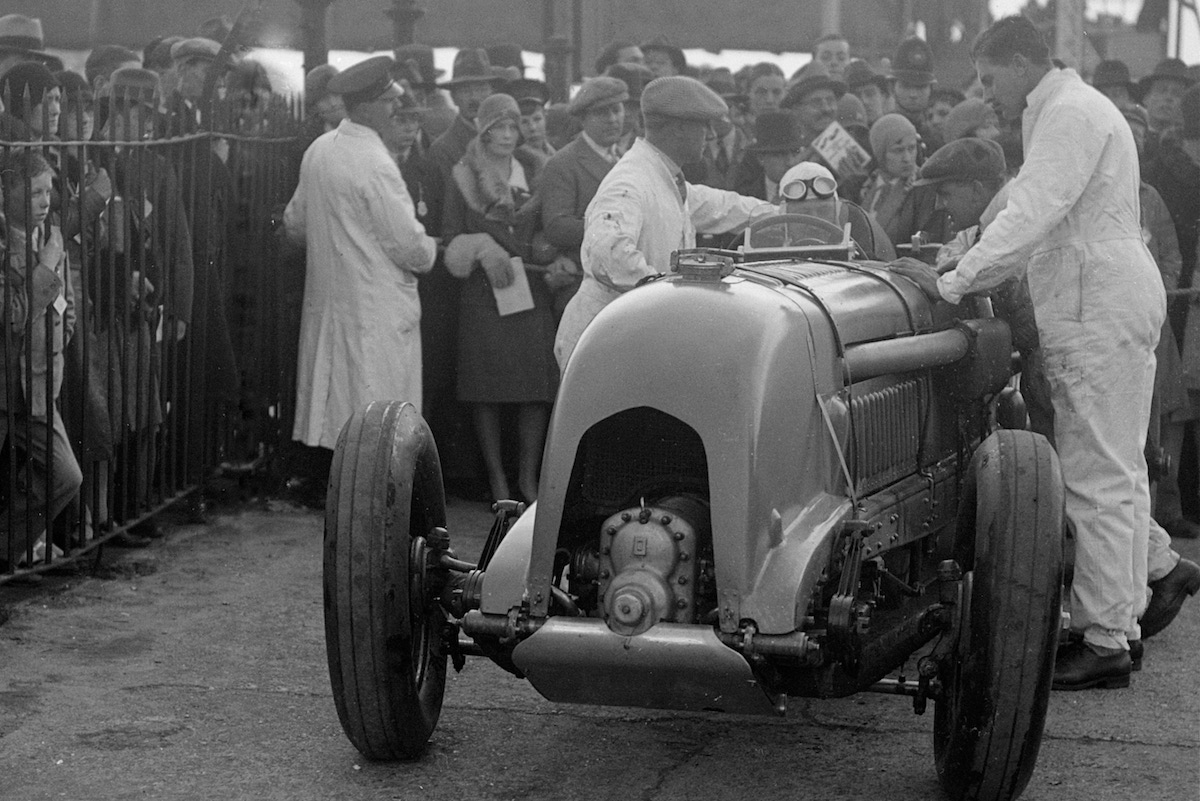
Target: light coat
{"type": "Point", "coordinates": [360, 339]}
{"type": "Point", "coordinates": [53, 297]}
{"type": "Point", "coordinates": [1073, 218]}
{"type": "Point", "coordinates": [631, 227]}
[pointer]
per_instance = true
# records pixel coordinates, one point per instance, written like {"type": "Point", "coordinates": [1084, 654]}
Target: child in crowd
{"type": "Point", "coordinates": [37, 312]}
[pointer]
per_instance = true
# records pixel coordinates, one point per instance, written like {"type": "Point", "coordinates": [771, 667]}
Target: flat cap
{"type": "Point", "coordinates": [682, 98]}
{"type": "Point", "coordinates": [966, 118]}
{"type": "Point", "coordinates": [196, 47]}
{"type": "Point", "coordinates": [598, 91]}
{"type": "Point", "coordinates": [135, 85]}
{"type": "Point", "coordinates": [963, 160]}
{"type": "Point", "coordinates": [364, 81]}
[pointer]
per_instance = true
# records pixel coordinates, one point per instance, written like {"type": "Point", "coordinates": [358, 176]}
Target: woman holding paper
{"type": "Point", "coordinates": [506, 327]}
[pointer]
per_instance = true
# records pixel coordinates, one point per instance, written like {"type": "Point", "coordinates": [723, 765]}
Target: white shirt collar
{"type": "Point", "coordinates": [609, 154]}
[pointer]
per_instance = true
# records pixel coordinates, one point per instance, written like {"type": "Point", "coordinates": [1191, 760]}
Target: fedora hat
{"type": "Point", "coordinates": [471, 65]}
{"type": "Point", "coordinates": [1169, 69]}
{"type": "Point", "coordinates": [815, 81]}
{"type": "Point", "coordinates": [776, 132]}
{"type": "Point", "coordinates": [859, 73]}
{"type": "Point", "coordinates": [674, 53]}
{"type": "Point", "coordinates": [23, 35]}
{"type": "Point", "coordinates": [421, 57]}
{"type": "Point", "coordinates": [506, 54]}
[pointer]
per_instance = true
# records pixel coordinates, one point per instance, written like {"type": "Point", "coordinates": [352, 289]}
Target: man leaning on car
{"type": "Point", "coordinates": [1072, 222]}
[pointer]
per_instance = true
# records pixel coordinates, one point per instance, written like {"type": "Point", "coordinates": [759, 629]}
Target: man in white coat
{"type": "Point", "coordinates": [1072, 221]}
{"type": "Point", "coordinates": [644, 209]}
{"type": "Point", "coordinates": [360, 336]}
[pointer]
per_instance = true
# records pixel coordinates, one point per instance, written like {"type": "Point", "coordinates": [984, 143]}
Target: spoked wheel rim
{"type": "Point", "coordinates": [420, 616]}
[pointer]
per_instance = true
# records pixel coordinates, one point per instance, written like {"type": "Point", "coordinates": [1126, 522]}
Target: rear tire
{"type": "Point", "coordinates": [387, 666]}
{"type": "Point", "coordinates": [996, 688]}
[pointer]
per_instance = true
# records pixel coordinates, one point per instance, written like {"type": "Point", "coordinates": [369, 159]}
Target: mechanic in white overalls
{"type": "Point", "coordinates": [1072, 217]}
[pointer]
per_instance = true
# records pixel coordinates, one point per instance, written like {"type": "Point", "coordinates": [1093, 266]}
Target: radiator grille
{"type": "Point", "coordinates": [637, 449]}
{"type": "Point", "coordinates": [887, 429]}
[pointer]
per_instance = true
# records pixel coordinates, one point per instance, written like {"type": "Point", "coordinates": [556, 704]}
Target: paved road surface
{"type": "Point", "coordinates": [196, 670]}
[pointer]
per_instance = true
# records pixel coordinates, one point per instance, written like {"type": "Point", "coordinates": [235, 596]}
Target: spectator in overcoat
{"type": "Point", "coordinates": [502, 358]}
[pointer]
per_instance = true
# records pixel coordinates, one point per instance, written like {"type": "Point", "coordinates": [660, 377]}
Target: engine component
{"type": "Point", "coordinates": [649, 565]}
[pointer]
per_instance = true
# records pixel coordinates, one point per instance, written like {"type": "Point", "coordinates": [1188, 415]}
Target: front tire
{"type": "Point", "coordinates": [387, 667]}
{"type": "Point", "coordinates": [996, 687]}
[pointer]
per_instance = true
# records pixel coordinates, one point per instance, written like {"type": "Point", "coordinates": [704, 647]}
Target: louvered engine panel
{"type": "Point", "coordinates": [887, 427]}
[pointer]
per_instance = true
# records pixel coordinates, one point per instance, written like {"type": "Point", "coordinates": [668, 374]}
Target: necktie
{"type": "Point", "coordinates": [681, 185]}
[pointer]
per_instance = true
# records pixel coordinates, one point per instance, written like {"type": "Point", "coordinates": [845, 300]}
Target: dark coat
{"type": "Point", "coordinates": [1177, 178]}
{"type": "Point", "coordinates": [501, 359]}
{"type": "Point", "coordinates": [568, 184]}
{"type": "Point", "coordinates": [443, 154]}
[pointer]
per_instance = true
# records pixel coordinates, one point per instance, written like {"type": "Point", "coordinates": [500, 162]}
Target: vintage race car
{"type": "Point", "coordinates": [777, 471]}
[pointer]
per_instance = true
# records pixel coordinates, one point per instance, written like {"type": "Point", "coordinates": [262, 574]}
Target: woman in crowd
{"type": "Point", "coordinates": [502, 360]}
{"type": "Point", "coordinates": [90, 370]}
{"type": "Point", "coordinates": [889, 195]}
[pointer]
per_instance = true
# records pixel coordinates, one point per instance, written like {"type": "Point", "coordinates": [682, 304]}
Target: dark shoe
{"type": "Point", "coordinates": [1182, 529]}
{"type": "Point", "coordinates": [127, 539]}
{"type": "Point", "coordinates": [1136, 651]}
{"type": "Point", "coordinates": [1080, 668]}
{"type": "Point", "coordinates": [1167, 596]}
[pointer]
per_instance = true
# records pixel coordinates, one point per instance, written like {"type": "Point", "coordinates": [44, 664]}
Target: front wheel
{"type": "Point", "coordinates": [988, 722]}
{"type": "Point", "coordinates": [382, 632]}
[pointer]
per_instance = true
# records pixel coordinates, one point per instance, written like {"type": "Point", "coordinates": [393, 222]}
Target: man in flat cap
{"type": "Point", "coordinates": [644, 209]}
{"type": "Point", "coordinates": [192, 59]}
{"type": "Point", "coordinates": [635, 77]}
{"type": "Point", "coordinates": [970, 178]}
{"type": "Point", "coordinates": [360, 338]}
{"type": "Point", "coordinates": [572, 175]}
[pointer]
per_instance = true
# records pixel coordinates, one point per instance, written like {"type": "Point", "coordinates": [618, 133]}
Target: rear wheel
{"type": "Point", "coordinates": [996, 687]}
{"type": "Point", "coordinates": [382, 634]}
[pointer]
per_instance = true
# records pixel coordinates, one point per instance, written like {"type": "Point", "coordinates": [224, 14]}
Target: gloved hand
{"type": "Point", "coordinates": [498, 266]}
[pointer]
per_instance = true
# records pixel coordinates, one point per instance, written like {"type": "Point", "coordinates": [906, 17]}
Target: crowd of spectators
{"type": "Point", "coordinates": [890, 115]}
{"type": "Point", "coordinates": [122, 215]}
{"type": "Point", "coordinates": [483, 150]}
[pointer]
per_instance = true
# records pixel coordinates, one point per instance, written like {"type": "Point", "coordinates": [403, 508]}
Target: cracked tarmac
{"type": "Point", "coordinates": [196, 670]}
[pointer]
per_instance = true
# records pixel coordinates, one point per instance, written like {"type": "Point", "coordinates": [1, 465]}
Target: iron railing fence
{"type": "Point", "coordinates": [148, 312]}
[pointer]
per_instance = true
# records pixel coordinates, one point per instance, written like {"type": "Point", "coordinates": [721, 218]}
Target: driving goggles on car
{"type": "Point", "coordinates": [819, 187]}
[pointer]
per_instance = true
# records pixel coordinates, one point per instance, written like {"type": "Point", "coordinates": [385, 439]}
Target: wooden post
{"type": "Point", "coordinates": [312, 32]}
{"type": "Point", "coordinates": [405, 14]}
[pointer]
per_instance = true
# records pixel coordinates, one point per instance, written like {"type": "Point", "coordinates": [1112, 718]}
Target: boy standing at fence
{"type": "Point", "coordinates": [37, 311]}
